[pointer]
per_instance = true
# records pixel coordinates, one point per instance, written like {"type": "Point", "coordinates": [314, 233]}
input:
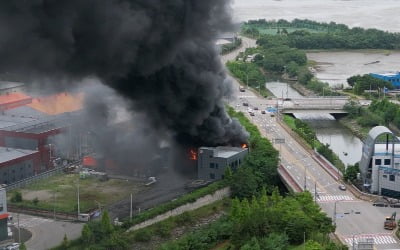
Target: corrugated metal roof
{"type": "Point", "coordinates": [9, 154]}
{"type": "Point", "coordinates": [378, 130]}
{"type": "Point", "coordinates": [38, 125]}
{"type": "Point", "coordinates": [9, 85]}
{"type": "Point", "coordinates": [9, 121]}
{"type": "Point", "coordinates": [225, 152]}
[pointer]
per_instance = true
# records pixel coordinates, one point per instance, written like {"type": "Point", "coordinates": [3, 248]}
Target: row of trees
{"type": "Point", "coordinates": [327, 35]}
{"type": "Point", "coordinates": [360, 83]}
{"type": "Point", "coordinates": [380, 112]}
{"type": "Point", "coordinates": [227, 48]}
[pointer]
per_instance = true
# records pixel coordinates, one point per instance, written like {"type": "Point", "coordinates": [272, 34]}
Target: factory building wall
{"type": "Point", "coordinates": [20, 142]}
{"type": "Point", "coordinates": [385, 179]}
{"type": "Point", "coordinates": [17, 171]}
{"type": "Point", "coordinates": [213, 168]}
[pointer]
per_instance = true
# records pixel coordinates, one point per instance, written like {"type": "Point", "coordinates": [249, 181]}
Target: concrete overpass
{"type": "Point", "coordinates": [327, 105]}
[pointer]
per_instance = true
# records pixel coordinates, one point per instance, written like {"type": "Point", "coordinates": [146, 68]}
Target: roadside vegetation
{"type": "Point", "coordinates": [309, 136]}
{"type": "Point", "coordinates": [362, 83]}
{"type": "Point", "coordinates": [248, 74]}
{"type": "Point", "coordinates": [227, 48]}
{"type": "Point", "coordinates": [380, 112]}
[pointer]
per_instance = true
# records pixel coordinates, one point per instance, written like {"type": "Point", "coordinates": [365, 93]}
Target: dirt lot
{"type": "Point", "coordinates": [61, 191]}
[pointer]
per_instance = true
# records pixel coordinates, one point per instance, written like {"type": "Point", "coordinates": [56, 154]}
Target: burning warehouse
{"type": "Point", "coordinates": [212, 161]}
{"type": "Point", "coordinates": [159, 56]}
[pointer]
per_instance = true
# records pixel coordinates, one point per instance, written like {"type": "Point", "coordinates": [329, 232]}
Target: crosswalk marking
{"type": "Point", "coordinates": [328, 198]}
{"type": "Point", "coordinates": [246, 96]}
{"type": "Point", "coordinates": [379, 239]}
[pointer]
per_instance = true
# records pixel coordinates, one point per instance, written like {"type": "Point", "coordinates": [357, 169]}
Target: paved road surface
{"type": "Point", "coordinates": [354, 218]}
{"type": "Point", "coordinates": [46, 233]}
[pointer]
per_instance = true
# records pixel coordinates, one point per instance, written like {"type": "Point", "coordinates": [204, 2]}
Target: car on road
{"type": "Point", "coordinates": [251, 113]}
{"type": "Point", "coordinates": [379, 204]}
{"type": "Point", "coordinates": [255, 108]}
{"type": "Point", "coordinates": [342, 187]}
{"type": "Point", "coordinates": [263, 112]}
{"type": "Point", "coordinates": [395, 205]}
{"type": "Point", "coordinates": [245, 104]}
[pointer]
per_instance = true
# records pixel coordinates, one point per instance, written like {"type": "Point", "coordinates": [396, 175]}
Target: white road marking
{"type": "Point", "coordinates": [379, 239]}
{"type": "Point", "coordinates": [329, 198]}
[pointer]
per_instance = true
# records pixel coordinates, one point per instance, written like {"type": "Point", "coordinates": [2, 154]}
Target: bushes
{"type": "Point", "coordinates": [17, 197]}
{"type": "Point", "coordinates": [191, 197]}
{"type": "Point", "coordinates": [226, 48]}
{"type": "Point", "coordinates": [143, 235]}
{"type": "Point", "coordinates": [259, 168]}
{"type": "Point", "coordinates": [203, 238]}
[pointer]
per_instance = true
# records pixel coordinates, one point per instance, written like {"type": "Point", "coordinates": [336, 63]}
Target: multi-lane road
{"type": "Point", "coordinates": [354, 218]}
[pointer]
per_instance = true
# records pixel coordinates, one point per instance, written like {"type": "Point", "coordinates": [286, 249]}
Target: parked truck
{"type": "Point", "coordinates": [390, 222]}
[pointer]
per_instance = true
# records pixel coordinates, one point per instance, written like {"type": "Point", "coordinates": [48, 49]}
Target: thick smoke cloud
{"type": "Point", "coordinates": [158, 54]}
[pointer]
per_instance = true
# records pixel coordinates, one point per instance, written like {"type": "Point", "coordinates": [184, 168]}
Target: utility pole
{"type": "Point", "coordinates": [54, 211]}
{"type": "Point", "coordinates": [130, 214]}
{"type": "Point", "coordinates": [79, 211]}
{"type": "Point", "coordinates": [19, 230]}
{"type": "Point", "coordinates": [305, 178]}
{"type": "Point", "coordinates": [315, 192]}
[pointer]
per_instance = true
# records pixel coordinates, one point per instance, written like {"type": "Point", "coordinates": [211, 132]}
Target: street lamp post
{"type": "Point", "coordinates": [50, 165]}
{"type": "Point", "coordinates": [334, 213]}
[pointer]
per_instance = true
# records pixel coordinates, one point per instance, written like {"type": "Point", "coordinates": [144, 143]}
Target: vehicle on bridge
{"type": "Point", "coordinates": [390, 222]}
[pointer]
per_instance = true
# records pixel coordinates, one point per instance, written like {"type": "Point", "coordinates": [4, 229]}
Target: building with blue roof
{"type": "Point", "coordinates": [392, 77]}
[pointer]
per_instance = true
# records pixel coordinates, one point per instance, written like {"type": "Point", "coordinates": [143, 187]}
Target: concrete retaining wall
{"type": "Point", "coordinates": [200, 202]}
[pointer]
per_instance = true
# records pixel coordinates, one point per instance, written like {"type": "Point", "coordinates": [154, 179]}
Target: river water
{"type": "Point", "coordinates": [380, 14]}
{"type": "Point", "coordinates": [341, 140]}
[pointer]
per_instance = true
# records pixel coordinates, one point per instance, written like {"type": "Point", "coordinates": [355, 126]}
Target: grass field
{"type": "Point", "coordinates": [60, 191]}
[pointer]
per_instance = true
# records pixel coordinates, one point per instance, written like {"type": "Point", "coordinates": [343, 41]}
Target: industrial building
{"type": "Point", "coordinates": [392, 77]}
{"type": "Point", "coordinates": [3, 214]}
{"type": "Point", "coordinates": [34, 132]}
{"type": "Point", "coordinates": [17, 164]}
{"type": "Point", "coordinates": [11, 87]}
{"type": "Point", "coordinates": [212, 161]}
{"type": "Point", "coordinates": [380, 162]}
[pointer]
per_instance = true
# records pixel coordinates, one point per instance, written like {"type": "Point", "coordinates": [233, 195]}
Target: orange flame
{"type": "Point", "coordinates": [244, 145]}
{"type": "Point", "coordinates": [193, 155]}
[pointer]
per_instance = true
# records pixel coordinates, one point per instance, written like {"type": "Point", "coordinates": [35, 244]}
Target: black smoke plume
{"type": "Point", "coordinates": [159, 54]}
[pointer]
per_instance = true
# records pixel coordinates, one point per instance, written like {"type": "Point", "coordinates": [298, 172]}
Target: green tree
{"type": "Point", "coordinates": [22, 246]}
{"type": "Point", "coordinates": [87, 234]}
{"type": "Point", "coordinates": [244, 183]}
{"type": "Point", "coordinates": [351, 172]}
{"type": "Point", "coordinates": [251, 245]}
{"type": "Point", "coordinates": [65, 242]}
{"type": "Point", "coordinates": [106, 226]}
{"type": "Point", "coordinates": [313, 245]}
{"type": "Point", "coordinates": [17, 197]}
